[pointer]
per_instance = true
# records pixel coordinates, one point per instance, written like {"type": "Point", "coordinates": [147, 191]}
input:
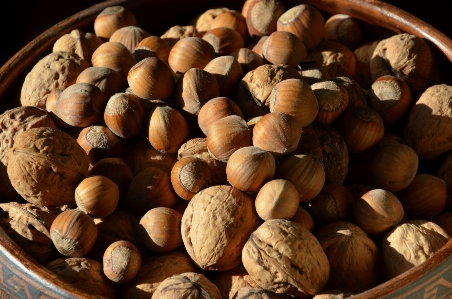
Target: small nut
{"type": "Point", "coordinates": [111, 19]}
{"type": "Point", "coordinates": [121, 262]}
{"type": "Point", "coordinates": [129, 36]}
{"type": "Point", "coordinates": [277, 199]}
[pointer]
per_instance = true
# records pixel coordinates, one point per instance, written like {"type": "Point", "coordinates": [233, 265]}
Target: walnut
{"type": "Point", "coordinates": [333, 294]}
{"type": "Point", "coordinates": [45, 166]}
{"type": "Point", "coordinates": [427, 129]}
{"type": "Point", "coordinates": [78, 42]}
{"type": "Point", "coordinates": [406, 57]}
{"type": "Point", "coordinates": [256, 293]}
{"type": "Point", "coordinates": [353, 257]}
{"type": "Point", "coordinates": [85, 274]}
{"type": "Point", "coordinates": [410, 244]}
{"type": "Point", "coordinates": [283, 257]}
{"type": "Point", "coordinates": [29, 227]}
{"type": "Point", "coordinates": [56, 70]}
{"type": "Point", "coordinates": [216, 225]}
{"type": "Point", "coordinates": [17, 120]}
{"type": "Point", "coordinates": [155, 270]}
{"type": "Point", "coordinates": [229, 282]}
{"type": "Point", "coordinates": [187, 285]}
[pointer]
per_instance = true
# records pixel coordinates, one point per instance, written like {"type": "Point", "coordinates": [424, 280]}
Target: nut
{"type": "Point", "coordinates": [121, 262]}
{"type": "Point", "coordinates": [224, 40]}
{"type": "Point", "coordinates": [108, 80]}
{"type": "Point", "coordinates": [283, 47]}
{"type": "Point", "coordinates": [99, 142]}
{"type": "Point", "coordinates": [190, 52]}
{"type": "Point", "coordinates": [189, 176]}
{"type": "Point", "coordinates": [115, 56]}
{"type": "Point", "coordinates": [343, 29]}
{"type": "Point", "coordinates": [129, 36]}
{"type": "Point", "coordinates": [78, 42]}
{"type": "Point", "coordinates": [227, 72]}
{"type": "Point", "coordinates": [111, 19]}
{"type": "Point", "coordinates": [277, 199]}
{"type": "Point", "coordinates": [159, 46]}
{"type": "Point", "coordinates": [261, 17]}
{"type": "Point", "coordinates": [214, 110]}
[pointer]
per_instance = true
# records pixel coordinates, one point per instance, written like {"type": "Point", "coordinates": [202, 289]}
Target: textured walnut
{"type": "Point", "coordinates": [216, 225]}
{"type": "Point", "coordinates": [45, 166]}
{"type": "Point", "coordinates": [410, 244]}
{"type": "Point", "coordinates": [283, 257]}
{"type": "Point", "coordinates": [29, 227]}
{"type": "Point", "coordinates": [78, 42]}
{"type": "Point", "coordinates": [56, 70]}
{"type": "Point", "coordinates": [17, 120]}
{"type": "Point", "coordinates": [229, 282]}
{"type": "Point", "coordinates": [256, 293]}
{"type": "Point", "coordinates": [427, 129]}
{"type": "Point", "coordinates": [177, 32]}
{"type": "Point", "coordinates": [187, 285]}
{"type": "Point", "coordinates": [155, 270]}
{"type": "Point", "coordinates": [85, 274]}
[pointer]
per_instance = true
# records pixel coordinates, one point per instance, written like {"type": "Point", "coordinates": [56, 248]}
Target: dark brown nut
{"type": "Point", "coordinates": [296, 98]}
{"type": "Point", "coordinates": [187, 285]}
{"type": "Point", "coordinates": [304, 21]}
{"type": "Point", "coordinates": [411, 244]}
{"type": "Point", "coordinates": [220, 245]}
{"type": "Point", "coordinates": [108, 80]}
{"type": "Point", "coordinates": [248, 59]}
{"type": "Point", "coordinates": [406, 57]}
{"type": "Point", "coordinates": [261, 81]}
{"type": "Point", "coordinates": [197, 147]}
{"type": "Point", "coordinates": [124, 115]}
{"type": "Point", "coordinates": [143, 52]}
{"type": "Point", "coordinates": [159, 46]}
{"type": "Point", "coordinates": [377, 210]}
{"type": "Point", "coordinates": [228, 72]}
{"type": "Point", "coordinates": [303, 219]}
{"type": "Point", "coordinates": [73, 233]}
{"type": "Point", "coordinates": [45, 165]}
{"type": "Point", "coordinates": [29, 227]}
{"type": "Point", "coordinates": [80, 105]}
{"type": "Point", "coordinates": [394, 167]}
{"type": "Point", "coordinates": [334, 203]}
{"type": "Point", "coordinates": [246, 103]}
{"type": "Point", "coordinates": [97, 196]}
{"type": "Point", "coordinates": [17, 120]}
{"type": "Point", "coordinates": [354, 258]}
{"type": "Point", "coordinates": [362, 128]}
{"type": "Point", "coordinates": [9, 194]}
{"type": "Point", "coordinates": [190, 52]}
{"type": "Point", "coordinates": [390, 97]}
{"type": "Point", "coordinates": [343, 29]}
{"type": "Point", "coordinates": [257, 293]}
{"type": "Point", "coordinates": [444, 221]}
{"type": "Point", "coordinates": [115, 170]}
{"type": "Point", "coordinates": [337, 58]}
{"type": "Point", "coordinates": [176, 33]}
{"type": "Point", "coordinates": [357, 96]}
{"type": "Point", "coordinates": [425, 197]}
{"type": "Point", "coordinates": [149, 189]}
{"type": "Point", "coordinates": [445, 174]}
{"type": "Point", "coordinates": [277, 199]}
{"type": "Point", "coordinates": [155, 270]}
{"type": "Point", "coordinates": [249, 168]}
{"type": "Point", "coordinates": [129, 36]}
{"type": "Point", "coordinates": [363, 55]}
{"type": "Point", "coordinates": [227, 135]}
{"type": "Point", "coordinates": [189, 176]}
{"type": "Point", "coordinates": [115, 56]}
{"type": "Point", "coordinates": [167, 129]}
{"type": "Point", "coordinates": [40, 81]}
{"type": "Point", "coordinates": [333, 100]}
{"type": "Point", "coordinates": [111, 19]}
{"type": "Point", "coordinates": [121, 262]}
{"type": "Point", "coordinates": [283, 47]}
{"type": "Point", "coordinates": [224, 40]}
{"type": "Point", "coordinates": [84, 274]}
{"type": "Point", "coordinates": [426, 129]}
{"type": "Point", "coordinates": [214, 110]}
{"type": "Point", "coordinates": [229, 282]}
{"type": "Point", "coordinates": [329, 146]}
{"type": "Point", "coordinates": [195, 88]}
{"type": "Point", "coordinates": [99, 142]}
{"type": "Point", "coordinates": [277, 133]}
{"type": "Point", "coordinates": [261, 17]}
{"type": "Point", "coordinates": [270, 260]}
{"type": "Point", "coordinates": [312, 72]}
{"type": "Point", "coordinates": [78, 42]}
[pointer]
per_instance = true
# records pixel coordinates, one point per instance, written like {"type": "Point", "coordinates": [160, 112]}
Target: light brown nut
{"type": "Point", "coordinates": [229, 282]}
{"type": "Point", "coordinates": [78, 42]}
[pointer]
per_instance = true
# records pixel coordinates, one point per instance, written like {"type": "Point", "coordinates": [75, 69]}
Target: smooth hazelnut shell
{"type": "Point", "coordinates": [333, 101]}
{"type": "Point", "coordinates": [216, 109]}
{"type": "Point", "coordinates": [97, 196]}
{"type": "Point", "coordinates": [190, 52]}
{"type": "Point", "coordinates": [257, 48]}
{"type": "Point", "coordinates": [227, 72]}
{"type": "Point", "coordinates": [99, 142]}
{"type": "Point", "coordinates": [249, 168]}
{"type": "Point", "coordinates": [224, 40]}
{"type": "Point", "coordinates": [304, 219]}
{"type": "Point", "coordinates": [159, 46]}
{"type": "Point", "coordinates": [248, 59]}
{"type": "Point", "coordinates": [73, 233]}
{"type": "Point", "coordinates": [277, 199]}
{"type": "Point", "coordinates": [189, 176]}
{"type": "Point", "coordinates": [261, 17]}
{"type": "Point", "coordinates": [283, 47]}
{"type": "Point", "coordinates": [111, 19]}
{"type": "Point", "coordinates": [234, 20]}
{"type": "Point", "coordinates": [78, 42]}
{"type": "Point", "coordinates": [121, 262]}
{"type": "Point", "coordinates": [108, 80]}
{"type": "Point", "coordinates": [115, 56]}
{"type": "Point", "coordinates": [51, 108]}
{"type": "Point", "coordinates": [129, 36]}
{"type": "Point", "coordinates": [115, 170]}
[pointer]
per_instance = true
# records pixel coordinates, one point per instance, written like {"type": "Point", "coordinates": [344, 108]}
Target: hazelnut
{"type": "Point", "coordinates": [333, 203]}
{"type": "Point", "coordinates": [115, 170]}
{"type": "Point", "coordinates": [356, 94]}
{"type": "Point", "coordinates": [258, 46]}
{"type": "Point", "coordinates": [115, 56]}
{"type": "Point", "coordinates": [78, 42]}
{"type": "Point", "coordinates": [304, 219]}
{"type": "Point", "coordinates": [261, 17]}
{"type": "Point", "coordinates": [312, 72]}
{"type": "Point", "coordinates": [97, 196]}
{"type": "Point", "coordinates": [142, 52]}
{"type": "Point", "coordinates": [121, 262]}
{"type": "Point", "coordinates": [248, 59]}
{"type": "Point", "coordinates": [234, 20]}
{"type": "Point", "coordinates": [216, 109]}
{"type": "Point", "coordinates": [73, 233]}
{"type": "Point", "coordinates": [51, 108]}
{"type": "Point", "coordinates": [190, 52]}
{"type": "Point", "coordinates": [99, 142]}
{"type": "Point", "coordinates": [224, 40]}
{"type": "Point", "coordinates": [189, 176]}
{"type": "Point", "coordinates": [159, 46]}
{"type": "Point", "coordinates": [203, 22]}
{"type": "Point", "coordinates": [228, 72]}
{"type": "Point", "coordinates": [108, 80]}
{"type": "Point", "coordinates": [228, 282]}
{"type": "Point", "coordinates": [343, 29]}
{"type": "Point", "coordinates": [129, 36]}
{"type": "Point", "coordinates": [283, 47]}
{"type": "Point", "coordinates": [333, 100]}
{"type": "Point", "coordinates": [111, 19]}
{"type": "Point", "coordinates": [277, 199]}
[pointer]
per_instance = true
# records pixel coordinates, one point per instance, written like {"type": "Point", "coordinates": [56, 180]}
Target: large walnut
{"type": "Point", "coordinates": [216, 225]}
{"type": "Point", "coordinates": [229, 282]}
{"type": "Point", "coordinates": [353, 257]}
{"type": "Point", "coordinates": [187, 285]}
{"type": "Point", "coordinates": [56, 70]}
{"type": "Point", "coordinates": [155, 270]}
{"type": "Point", "coordinates": [410, 244]}
{"type": "Point", "coordinates": [29, 227]}
{"type": "Point", "coordinates": [85, 274]}
{"type": "Point", "coordinates": [283, 257]}
{"type": "Point", "coordinates": [45, 166]}
{"type": "Point", "coordinates": [17, 120]}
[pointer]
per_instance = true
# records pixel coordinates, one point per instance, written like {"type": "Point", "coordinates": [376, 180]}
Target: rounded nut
{"type": "Point", "coordinates": [115, 56]}
{"type": "Point", "coordinates": [121, 262]}
{"type": "Point", "coordinates": [283, 47]}
{"type": "Point", "coordinates": [111, 19]}
{"type": "Point", "coordinates": [277, 199]}
{"type": "Point", "coordinates": [190, 52]}
{"type": "Point", "coordinates": [216, 109]}
{"type": "Point", "coordinates": [129, 36]}
{"type": "Point", "coordinates": [189, 176]}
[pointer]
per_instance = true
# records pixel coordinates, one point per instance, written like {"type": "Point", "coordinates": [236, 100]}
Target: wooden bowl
{"type": "Point", "coordinates": [23, 277]}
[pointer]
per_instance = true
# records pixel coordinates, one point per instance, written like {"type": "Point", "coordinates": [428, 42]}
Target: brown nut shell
{"type": "Point", "coordinates": [129, 36]}
{"type": "Point", "coordinates": [114, 55]}
{"type": "Point", "coordinates": [277, 199]}
{"type": "Point", "coordinates": [108, 80]}
{"type": "Point", "coordinates": [261, 17]}
{"type": "Point", "coordinates": [78, 42]}
{"type": "Point", "coordinates": [224, 40]}
{"type": "Point", "coordinates": [159, 46]}
{"type": "Point", "coordinates": [189, 176]}
{"type": "Point", "coordinates": [121, 262]}
{"type": "Point", "coordinates": [214, 110]}
{"type": "Point", "coordinates": [190, 52]}
{"type": "Point", "coordinates": [111, 19]}
{"type": "Point", "coordinates": [283, 47]}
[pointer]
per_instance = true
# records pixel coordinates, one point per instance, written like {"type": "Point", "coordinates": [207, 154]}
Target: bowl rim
{"type": "Point", "coordinates": [370, 11]}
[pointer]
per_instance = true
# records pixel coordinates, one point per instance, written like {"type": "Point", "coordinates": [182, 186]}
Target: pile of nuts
{"type": "Point", "coordinates": [266, 153]}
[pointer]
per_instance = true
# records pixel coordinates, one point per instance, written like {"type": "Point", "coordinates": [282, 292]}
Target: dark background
{"type": "Point", "coordinates": [23, 20]}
